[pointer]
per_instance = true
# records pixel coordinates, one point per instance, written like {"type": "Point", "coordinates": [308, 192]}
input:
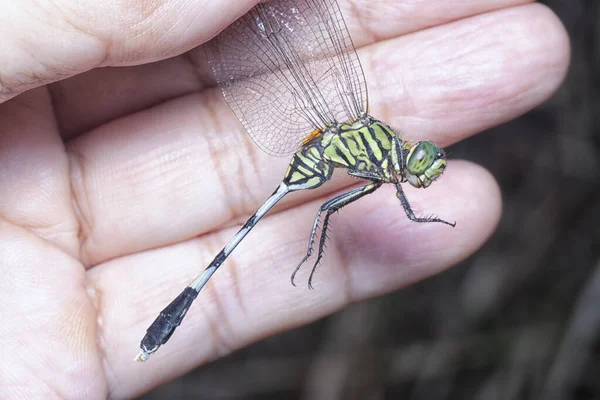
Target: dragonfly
{"type": "Point", "coordinates": [289, 71]}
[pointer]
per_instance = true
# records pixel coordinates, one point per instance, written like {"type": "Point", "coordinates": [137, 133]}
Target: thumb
{"type": "Point", "coordinates": [45, 41]}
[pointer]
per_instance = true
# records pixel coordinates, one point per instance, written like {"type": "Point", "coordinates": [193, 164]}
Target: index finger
{"type": "Point", "coordinates": [47, 41]}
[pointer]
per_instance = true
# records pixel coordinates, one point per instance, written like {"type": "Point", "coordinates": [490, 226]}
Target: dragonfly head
{"type": "Point", "coordinates": [425, 162]}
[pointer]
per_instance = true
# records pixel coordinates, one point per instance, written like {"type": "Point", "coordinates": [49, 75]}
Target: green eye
{"type": "Point", "coordinates": [425, 162]}
{"type": "Point", "coordinates": [421, 157]}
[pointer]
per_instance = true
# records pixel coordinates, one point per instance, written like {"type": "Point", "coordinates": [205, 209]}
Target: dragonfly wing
{"type": "Point", "coordinates": [287, 68]}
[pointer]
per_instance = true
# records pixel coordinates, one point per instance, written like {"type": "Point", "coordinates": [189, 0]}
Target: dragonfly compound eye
{"type": "Point", "coordinates": [425, 162]}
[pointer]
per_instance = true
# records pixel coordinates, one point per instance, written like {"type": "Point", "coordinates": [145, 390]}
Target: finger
{"type": "Point", "coordinates": [99, 33]}
{"type": "Point", "coordinates": [88, 100]}
{"type": "Point", "coordinates": [186, 167]}
{"type": "Point", "coordinates": [469, 75]}
{"type": "Point", "coordinates": [373, 249]}
{"type": "Point", "coordinates": [374, 21]}
{"type": "Point", "coordinates": [35, 190]}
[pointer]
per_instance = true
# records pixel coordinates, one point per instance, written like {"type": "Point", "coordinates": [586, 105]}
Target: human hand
{"type": "Point", "coordinates": [117, 186]}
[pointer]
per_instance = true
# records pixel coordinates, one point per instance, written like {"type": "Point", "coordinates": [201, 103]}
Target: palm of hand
{"type": "Point", "coordinates": [102, 227]}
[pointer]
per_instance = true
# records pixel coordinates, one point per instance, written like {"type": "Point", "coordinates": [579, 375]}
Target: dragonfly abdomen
{"type": "Point", "coordinates": [307, 169]}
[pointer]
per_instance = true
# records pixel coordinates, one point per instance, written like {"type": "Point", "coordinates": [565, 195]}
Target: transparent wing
{"type": "Point", "coordinates": [286, 68]}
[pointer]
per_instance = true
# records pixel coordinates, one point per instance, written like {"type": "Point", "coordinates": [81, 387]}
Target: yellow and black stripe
{"type": "Point", "coordinates": [364, 146]}
{"type": "Point", "coordinates": [307, 169]}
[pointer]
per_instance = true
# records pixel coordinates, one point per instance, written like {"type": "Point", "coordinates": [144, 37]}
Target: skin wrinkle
{"type": "Point", "coordinates": [74, 210]}
{"type": "Point", "coordinates": [498, 94]}
{"type": "Point", "coordinates": [233, 267]}
{"type": "Point", "coordinates": [36, 228]}
{"type": "Point", "coordinates": [5, 90]}
{"type": "Point", "coordinates": [221, 346]}
{"type": "Point", "coordinates": [143, 32]}
{"type": "Point", "coordinates": [64, 314]}
{"type": "Point", "coordinates": [88, 234]}
{"type": "Point", "coordinates": [357, 15]}
{"type": "Point", "coordinates": [164, 37]}
{"type": "Point", "coordinates": [56, 392]}
{"type": "Point", "coordinates": [145, 10]}
{"type": "Point", "coordinates": [366, 14]}
{"type": "Point", "coordinates": [253, 162]}
{"type": "Point", "coordinates": [60, 11]}
{"type": "Point", "coordinates": [348, 288]}
{"type": "Point", "coordinates": [28, 229]}
{"type": "Point", "coordinates": [96, 294]}
{"type": "Point", "coordinates": [81, 202]}
{"type": "Point", "coordinates": [96, 329]}
{"type": "Point", "coordinates": [463, 96]}
{"type": "Point", "coordinates": [13, 87]}
{"type": "Point", "coordinates": [75, 328]}
{"type": "Point", "coordinates": [47, 73]}
{"type": "Point", "coordinates": [218, 153]}
{"type": "Point", "coordinates": [244, 186]}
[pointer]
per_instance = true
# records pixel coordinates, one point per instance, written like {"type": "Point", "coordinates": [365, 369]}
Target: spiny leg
{"type": "Point", "coordinates": [311, 241]}
{"type": "Point", "coordinates": [335, 205]}
{"type": "Point", "coordinates": [322, 242]}
{"type": "Point", "coordinates": [409, 212]}
{"type": "Point", "coordinates": [169, 319]}
{"type": "Point", "coordinates": [313, 232]}
{"type": "Point", "coordinates": [330, 207]}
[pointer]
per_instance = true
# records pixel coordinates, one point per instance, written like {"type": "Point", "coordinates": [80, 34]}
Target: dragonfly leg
{"type": "Point", "coordinates": [411, 215]}
{"type": "Point", "coordinates": [311, 241]}
{"type": "Point", "coordinates": [365, 175]}
{"type": "Point", "coordinates": [329, 207]}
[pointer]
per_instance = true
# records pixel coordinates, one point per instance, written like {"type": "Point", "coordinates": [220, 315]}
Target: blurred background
{"type": "Point", "coordinates": [520, 319]}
